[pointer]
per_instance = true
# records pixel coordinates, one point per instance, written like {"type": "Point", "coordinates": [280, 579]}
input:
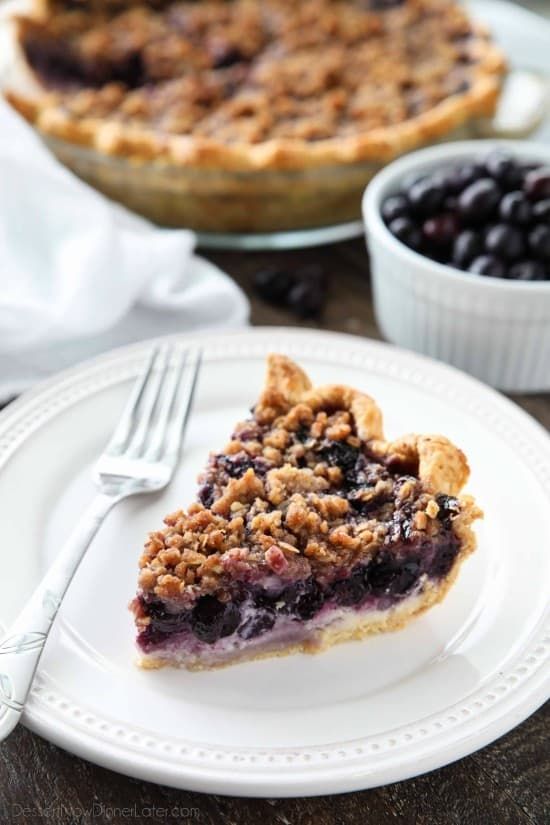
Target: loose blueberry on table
{"type": "Point", "coordinates": [487, 217]}
{"type": "Point", "coordinates": [309, 529]}
{"type": "Point", "coordinates": [303, 290]}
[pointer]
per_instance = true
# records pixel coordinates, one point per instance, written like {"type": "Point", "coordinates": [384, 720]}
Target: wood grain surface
{"type": "Point", "coordinates": [507, 783]}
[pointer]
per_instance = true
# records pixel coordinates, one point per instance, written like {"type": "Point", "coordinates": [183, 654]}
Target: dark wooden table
{"type": "Point", "coordinates": [507, 783]}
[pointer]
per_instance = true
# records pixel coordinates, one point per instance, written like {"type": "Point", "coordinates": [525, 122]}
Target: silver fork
{"type": "Point", "coordinates": [140, 458]}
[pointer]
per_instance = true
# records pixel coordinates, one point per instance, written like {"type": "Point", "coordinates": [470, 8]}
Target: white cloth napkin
{"type": "Point", "coordinates": [80, 274]}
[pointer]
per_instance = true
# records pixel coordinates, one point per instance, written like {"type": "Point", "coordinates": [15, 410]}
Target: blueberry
{"type": "Point", "coordinates": [514, 178]}
{"type": "Point", "coordinates": [366, 473]}
{"type": "Point", "coordinates": [426, 196]}
{"type": "Point", "coordinates": [389, 577]}
{"type": "Point", "coordinates": [151, 636]}
{"type": "Point", "coordinates": [383, 5]}
{"type": "Point", "coordinates": [537, 184]}
{"type": "Point", "coordinates": [407, 232]}
{"type": "Point", "coordinates": [210, 619]}
{"type": "Point", "coordinates": [401, 525]}
{"type": "Point", "coordinates": [236, 465]}
{"type": "Point", "coordinates": [500, 166]}
{"type": "Point", "coordinates": [505, 241]}
{"type": "Point", "coordinates": [396, 206]}
{"type": "Point", "coordinates": [206, 495]}
{"type": "Point", "coordinates": [339, 454]}
{"type": "Point", "coordinates": [467, 246]}
{"type": "Point", "coordinates": [351, 590]}
{"type": "Point", "coordinates": [527, 271]}
{"type": "Point", "coordinates": [487, 265]}
{"type": "Point", "coordinates": [441, 230]}
{"type": "Point", "coordinates": [515, 208]}
{"type": "Point", "coordinates": [444, 558]}
{"type": "Point", "coordinates": [164, 621]}
{"type": "Point", "coordinates": [266, 598]}
{"type": "Point", "coordinates": [310, 601]}
{"type": "Point", "coordinates": [446, 179]}
{"type": "Point", "coordinates": [305, 592]}
{"type": "Point", "coordinates": [306, 299]}
{"type": "Point", "coordinates": [231, 619]}
{"type": "Point", "coordinates": [464, 175]}
{"type": "Point", "coordinates": [539, 241]}
{"type": "Point", "coordinates": [262, 621]}
{"type": "Point", "coordinates": [225, 54]}
{"type": "Point", "coordinates": [286, 599]}
{"type": "Point", "coordinates": [541, 211]}
{"type": "Point", "coordinates": [450, 204]}
{"type": "Point", "coordinates": [449, 506]}
{"type": "Point", "coordinates": [273, 284]}
{"type": "Point", "coordinates": [303, 433]}
{"type": "Point", "coordinates": [479, 200]}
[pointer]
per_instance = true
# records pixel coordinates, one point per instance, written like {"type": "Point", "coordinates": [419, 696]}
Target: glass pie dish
{"type": "Point", "coordinates": [223, 200]}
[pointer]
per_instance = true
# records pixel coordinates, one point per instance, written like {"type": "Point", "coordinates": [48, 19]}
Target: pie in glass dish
{"type": "Point", "coordinates": [248, 115]}
{"type": "Point", "coordinates": [309, 529]}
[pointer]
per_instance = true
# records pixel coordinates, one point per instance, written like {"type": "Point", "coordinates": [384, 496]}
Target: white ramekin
{"type": "Point", "coordinates": [495, 329]}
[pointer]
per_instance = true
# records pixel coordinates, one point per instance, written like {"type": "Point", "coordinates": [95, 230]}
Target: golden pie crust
{"type": "Point", "coordinates": [310, 91]}
{"type": "Point", "coordinates": [439, 463]}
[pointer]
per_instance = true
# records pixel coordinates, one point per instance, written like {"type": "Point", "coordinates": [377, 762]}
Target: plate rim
{"type": "Point", "coordinates": [323, 769]}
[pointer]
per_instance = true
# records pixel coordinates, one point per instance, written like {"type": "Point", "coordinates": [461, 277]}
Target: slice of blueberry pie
{"type": "Point", "coordinates": [309, 529]}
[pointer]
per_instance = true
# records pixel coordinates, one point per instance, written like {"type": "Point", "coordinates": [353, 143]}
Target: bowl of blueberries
{"type": "Point", "coordinates": [459, 242]}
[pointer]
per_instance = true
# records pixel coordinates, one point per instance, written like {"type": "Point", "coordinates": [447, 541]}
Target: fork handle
{"type": "Point", "coordinates": [22, 646]}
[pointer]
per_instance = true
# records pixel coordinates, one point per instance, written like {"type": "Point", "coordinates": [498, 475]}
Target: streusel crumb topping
{"type": "Point", "coordinates": [250, 71]}
{"type": "Point", "coordinates": [295, 493]}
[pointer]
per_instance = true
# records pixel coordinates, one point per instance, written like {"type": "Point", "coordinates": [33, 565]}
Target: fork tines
{"type": "Point", "coordinates": [152, 424]}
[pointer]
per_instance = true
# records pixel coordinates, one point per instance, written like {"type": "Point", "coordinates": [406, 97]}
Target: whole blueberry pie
{"type": "Point", "coordinates": [309, 529]}
{"type": "Point", "coordinates": [249, 86]}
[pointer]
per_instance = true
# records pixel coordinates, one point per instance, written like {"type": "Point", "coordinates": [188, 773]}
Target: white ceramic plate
{"type": "Point", "coordinates": [362, 714]}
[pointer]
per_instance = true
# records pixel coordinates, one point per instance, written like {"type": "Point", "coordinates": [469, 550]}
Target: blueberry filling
{"type": "Point", "coordinates": [61, 67]}
{"type": "Point", "coordinates": [151, 636]}
{"type": "Point", "coordinates": [387, 576]}
{"type": "Point", "coordinates": [164, 621]}
{"type": "Point", "coordinates": [401, 527]}
{"type": "Point", "coordinates": [210, 619]}
{"type": "Point", "coordinates": [262, 621]}
{"type": "Point", "coordinates": [225, 55]}
{"type": "Point", "coordinates": [339, 454]}
{"type": "Point", "coordinates": [206, 494]}
{"type": "Point", "coordinates": [373, 489]}
{"type": "Point", "coordinates": [309, 602]}
{"type": "Point", "coordinates": [236, 465]}
{"type": "Point", "coordinates": [351, 591]}
{"type": "Point", "coordinates": [301, 599]}
{"type": "Point", "coordinates": [449, 507]}
{"type": "Point", "coordinates": [443, 560]}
